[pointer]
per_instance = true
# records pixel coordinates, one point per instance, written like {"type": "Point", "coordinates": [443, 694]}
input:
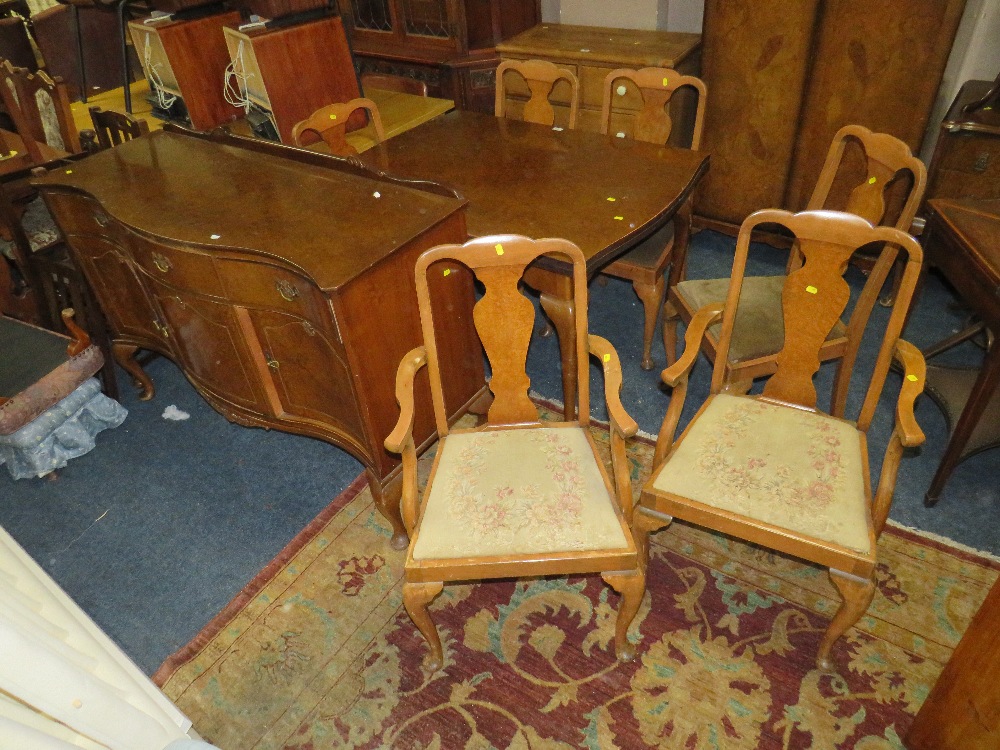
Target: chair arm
{"type": "Point", "coordinates": [695, 332]}
{"type": "Point", "coordinates": [914, 375]}
{"type": "Point", "coordinates": [605, 352]}
{"type": "Point", "coordinates": [622, 425]}
{"type": "Point", "coordinates": [402, 433]}
{"type": "Point", "coordinates": [676, 376]}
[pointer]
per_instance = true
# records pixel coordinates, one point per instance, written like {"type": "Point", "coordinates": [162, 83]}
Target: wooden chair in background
{"type": "Point", "coordinates": [558, 512]}
{"type": "Point", "coordinates": [40, 109]}
{"type": "Point", "coordinates": [402, 84]}
{"type": "Point", "coordinates": [887, 167]}
{"type": "Point", "coordinates": [330, 124]}
{"type": "Point", "coordinates": [113, 128]}
{"type": "Point", "coordinates": [540, 76]}
{"type": "Point", "coordinates": [645, 264]}
{"type": "Point", "coordinates": [773, 469]}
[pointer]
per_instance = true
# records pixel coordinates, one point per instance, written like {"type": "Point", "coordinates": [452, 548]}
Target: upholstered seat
{"type": "Point", "coordinates": [759, 326]}
{"type": "Point", "coordinates": [496, 493]}
{"type": "Point", "coordinates": [785, 466]}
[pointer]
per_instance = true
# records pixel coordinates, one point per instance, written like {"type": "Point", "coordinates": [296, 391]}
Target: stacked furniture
{"type": "Point", "coordinates": [289, 72]}
{"type": "Point", "coordinates": [187, 59]}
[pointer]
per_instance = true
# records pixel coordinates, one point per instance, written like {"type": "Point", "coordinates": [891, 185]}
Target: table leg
{"type": "Point", "coordinates": [556, 294]}
{"type": "Point", "coordinates": [985, 385]}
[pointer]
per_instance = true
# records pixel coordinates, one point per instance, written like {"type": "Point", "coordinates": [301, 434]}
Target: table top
{"type": "Point", "coordinates": [600, 192]}
{"type": "Point", "coordinates": [976, 222]}
{"type": "Point", "coordinates": [399, 112]}
{"type": "Point", "coordinates": [631, 47]}
{"type": "Point", "coordinates": [325, 215]}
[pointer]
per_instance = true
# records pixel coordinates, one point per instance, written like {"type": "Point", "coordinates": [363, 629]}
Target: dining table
{"type": "Point", "coordinates": [603, 193]}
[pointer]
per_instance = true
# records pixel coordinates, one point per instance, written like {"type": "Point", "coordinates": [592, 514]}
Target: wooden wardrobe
{"type": "Point", "coordinates": [784, 77]}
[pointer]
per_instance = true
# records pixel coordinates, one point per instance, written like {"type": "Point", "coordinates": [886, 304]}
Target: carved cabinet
{"type": "Point", "coordinates": [280, 281]}
{"type": "Point", "coordinates": [448, 44]}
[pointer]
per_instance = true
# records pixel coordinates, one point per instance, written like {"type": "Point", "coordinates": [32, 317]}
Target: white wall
{"type": "Point", "coordinates": [974, 56]}
{"type": "Point", "coordinates": [670, 15]}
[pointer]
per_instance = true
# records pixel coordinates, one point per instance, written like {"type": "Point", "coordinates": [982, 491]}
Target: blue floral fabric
{"type": "Point", "coordinates": [64, 431]}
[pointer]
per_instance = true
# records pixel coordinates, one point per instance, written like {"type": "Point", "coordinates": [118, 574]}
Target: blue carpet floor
{"type": "Point", "coordinates": [160, 527]}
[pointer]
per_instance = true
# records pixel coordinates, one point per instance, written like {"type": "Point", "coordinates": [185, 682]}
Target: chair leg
{"type": "Point", "coordinates": [416, 597]}
{"type": "Point", "coordinates": [631, 585]}
{"type": "Point", "coordinates": [652, 303]}
{"type": "Point", "coordinates": [644, 523]}
{"type": "Point", "coordinates": [857, 594]}
{"type": "Point", "coordinates": [670, 320]}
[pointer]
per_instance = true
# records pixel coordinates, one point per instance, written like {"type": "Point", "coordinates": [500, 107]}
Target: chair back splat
{"type": "Point", "coordinates": [657, 87]}
{"type": "Point", "coordinates": [504, 319]}
{"type": "Point", "coordinates": [540, 76]}
{"type": "Point", "coordinates": [814, 296]}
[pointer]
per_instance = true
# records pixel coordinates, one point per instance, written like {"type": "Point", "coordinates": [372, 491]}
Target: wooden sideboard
{"type": "Point", "coordinates": [591, 52]}
{"type": "Point", "coordinates": [188, 59]}
{"type": "Point", "coordinates": [280, 281]}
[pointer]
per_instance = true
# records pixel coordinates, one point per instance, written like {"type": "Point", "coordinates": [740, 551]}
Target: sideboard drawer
{"type": "Point", "coordinates": [79, 215]}
{"type": "Point", "coordinates": [186, 269]}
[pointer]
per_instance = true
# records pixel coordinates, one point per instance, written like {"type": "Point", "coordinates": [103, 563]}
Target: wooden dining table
{"type": "Point", "coordinates": [603, 193]}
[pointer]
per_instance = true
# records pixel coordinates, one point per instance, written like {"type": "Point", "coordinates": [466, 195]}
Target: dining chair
{"type": "Point", "coordinates": [330, 124]}
{"type": "Point", "coordinates": [645, 264]}
{"type": "Point", "coordinates": [773, 469]}
{"type": "Point", "coordinates": [540, 78]}
{"type": "Point", "coordinates": [883, 168]}
{"type": "Point", "coordinates": [518, 496]}
{"type": "Point", "coordinates": [113, 128]}
{"type": "Point", "coordinates": [385, 82]}
{"type": "Point", "coordinates": [45, 103]}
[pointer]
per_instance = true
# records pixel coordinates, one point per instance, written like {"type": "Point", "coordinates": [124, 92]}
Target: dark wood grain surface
{"type": "Point", "coordinates": [600, 192]}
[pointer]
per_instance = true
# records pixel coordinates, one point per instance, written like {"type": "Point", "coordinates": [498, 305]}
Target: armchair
{"type": "Point", "coordinates": [885, 166]}
{"type": "Point", "coordinates": [774, 469]}
{"type": "Point", "coordinates": [518, 496]}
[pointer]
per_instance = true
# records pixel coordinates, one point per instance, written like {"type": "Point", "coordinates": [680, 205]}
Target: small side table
{"type": "Point", "coordinates": [962, 240]}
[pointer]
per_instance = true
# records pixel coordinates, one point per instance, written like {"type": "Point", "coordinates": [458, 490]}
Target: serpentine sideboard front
{"type": "Point", "coordinates": [280, 281]}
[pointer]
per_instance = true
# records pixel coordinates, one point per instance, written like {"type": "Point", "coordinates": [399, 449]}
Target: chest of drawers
{"type": "Point", "coordinates": [591, 52]}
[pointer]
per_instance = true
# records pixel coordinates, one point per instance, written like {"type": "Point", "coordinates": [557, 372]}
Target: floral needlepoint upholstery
{"type": "Point", "coordinates": [517, 491]}
{"type": "Point", "coordinates": [789, 467]}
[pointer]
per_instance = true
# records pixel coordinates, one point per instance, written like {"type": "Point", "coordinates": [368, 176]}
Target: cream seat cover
{"type": "Point", "coordinates": [517, 491]}
{"type": "Point", "coordinates": [788, 467]}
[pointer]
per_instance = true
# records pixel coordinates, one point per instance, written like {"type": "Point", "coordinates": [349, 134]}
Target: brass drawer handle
{"type": "Point", "coordinates": [286, 289]}
{"type": "Point", "coordinates": [271, 361]}
{"type": "Point", "coordinates": [161, 262]}
{"type": "Point", "coordinates": [162, 329]}
{"type": "Point", "coordinates": [101, 219]}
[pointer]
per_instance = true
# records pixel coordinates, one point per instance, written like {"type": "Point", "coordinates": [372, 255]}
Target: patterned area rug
{"type": "Point", "coordinates": [319, 653]}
